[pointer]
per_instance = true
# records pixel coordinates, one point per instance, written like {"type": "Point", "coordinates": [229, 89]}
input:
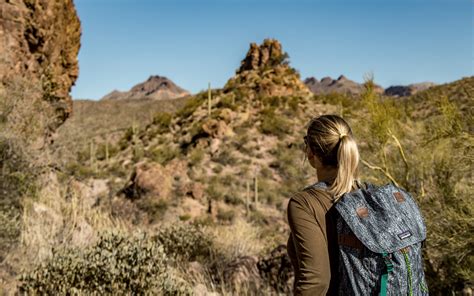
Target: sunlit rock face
{"type": "Point", "coordinates": [39, 44]}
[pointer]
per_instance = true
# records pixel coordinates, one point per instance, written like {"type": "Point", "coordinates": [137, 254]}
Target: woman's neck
{"type": "Point", "coordinates": [327, 175]}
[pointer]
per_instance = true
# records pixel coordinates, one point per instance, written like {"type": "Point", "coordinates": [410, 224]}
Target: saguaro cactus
{"type": "Point", "coordinates": [209, 99]}
{"type": "Point", "coordinates": [256, 191]}
{"type": "Point", "coordinates": [92, 155]}
{"type": "Point", "coordinates": [247, 198]}
{"type": "Point", "coordinates": [106, 150]}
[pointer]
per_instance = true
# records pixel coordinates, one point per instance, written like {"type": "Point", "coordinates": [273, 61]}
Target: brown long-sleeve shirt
{"type": "Point", "coordinates": [312, 245]}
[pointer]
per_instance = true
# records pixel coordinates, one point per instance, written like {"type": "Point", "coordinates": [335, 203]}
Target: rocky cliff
{"type": "Point", "coordinates": [39, 43]}
{"type": "Point", "coordinates": [155, 88]}
{"type": "Point", "coordinates": [265, 71]}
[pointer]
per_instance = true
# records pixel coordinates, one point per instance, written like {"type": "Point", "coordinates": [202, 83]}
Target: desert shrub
{"type": "Point", "coordinates": [126, 139]}
{"type": "Point", "coordinates": [227, 101]}
{"type": "Point", "coordinates": [215, 190]}
{"type": "Point", "coordinates": [383, 114]}
{"type": "Point", "coordinates": [217, 168]}
{"type": "Point", "coordinates": [232, 198]}
{"type": "Point", "coordinates": [163, 154]}
{"type": "Point", "coordinates": [273, 101]}
{"type": "Point", "coordinates": [186, 242]}
{"type": "Point", "coordinates": [273, 123]}
{"type": "Point", "coordinates": [115, 264]}
{"type": "Point", "coordinates": [17, 180]}
{"type": "Point", "coordinates": [226, 157]}
{"type": "Point", "coordinates": [289, 165]}
{"type": "Point", "coordinates": [269, 192]}
{"type": "Point", "coordinates": [191, 105]}
{"type": "Point", "coordinates": [225, 215]}
{"type": "Point", "coordinates": [196, 156]}
{"type": "Point", "coordinates": [448, 124]}
{"type": "Point", "coordinates": [154, 208]}
{"type": "Point", "coordinates": [101, 152]}
{"type": "Point", "coordinates": [293, 103]}
{"type": "Point", "coordinates": [79, 170]}
{"type": "Point", "coordinates": [235, 240]}
{"type": "Point", "coordinates": [162, 120]}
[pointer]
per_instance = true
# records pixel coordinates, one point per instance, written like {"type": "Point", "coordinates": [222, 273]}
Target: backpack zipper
{"type": "Point", "coordinates": [404, 251]}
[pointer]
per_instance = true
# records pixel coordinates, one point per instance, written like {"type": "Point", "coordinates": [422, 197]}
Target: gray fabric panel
{"type": "Point", "coordinates": [387, 218]}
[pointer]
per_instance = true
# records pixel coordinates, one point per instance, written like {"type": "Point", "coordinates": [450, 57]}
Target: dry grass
{"type": "Point", "coordinates": [242, 238]}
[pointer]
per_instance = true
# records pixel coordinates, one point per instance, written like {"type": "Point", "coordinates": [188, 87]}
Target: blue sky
{"type": "Point", "coordinates": [194, 42]}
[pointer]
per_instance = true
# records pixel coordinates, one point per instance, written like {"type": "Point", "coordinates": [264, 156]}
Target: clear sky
{"type": "Point", "coordinates": [194, 42]}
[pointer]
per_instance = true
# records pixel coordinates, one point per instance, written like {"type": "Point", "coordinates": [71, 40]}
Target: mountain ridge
{"type": "Point", "coordinates": [155, 87]}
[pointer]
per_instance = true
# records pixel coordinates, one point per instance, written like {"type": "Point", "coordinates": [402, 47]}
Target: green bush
{"type": "Point", "coordinates": [17, 179]}
{"type": "Point", "coordinates": [162, 120]}
{"type": "Point", "coordinates": [155, 208]}
{"type": "Point", "coordinates": [227, 101]}
{"type": "Point", "coordinates": [226, 215]}
{"type": "Point", "coordinates": [273, 123]}
{"type": "Point", "coordinates": [226, 157]}
{"type": "Point", "coordinates": [289, 164]}
{"type": "Point", "coordinates": [196, 156]}
{"type": "Point", "coordinates": [185, 242]}
{"type": "Point", "coordinates": [163, 155]}
{"type": "Point", "coordinates": [115, 265]}
{"type": "Point", "coordinates": [191, 105]}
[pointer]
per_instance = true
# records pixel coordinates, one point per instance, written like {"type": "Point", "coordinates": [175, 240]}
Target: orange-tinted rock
{"type": "Point", "coordinates": [39, 42]}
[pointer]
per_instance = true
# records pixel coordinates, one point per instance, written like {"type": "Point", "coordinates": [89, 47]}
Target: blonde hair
{"type": "Point", "coordinates": [330, 139]}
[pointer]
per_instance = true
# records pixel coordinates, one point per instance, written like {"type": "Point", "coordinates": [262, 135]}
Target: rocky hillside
{"type": "Point", "coordinates": [155, 88]}
{"type": "Point", "coordinates": [105, 121]}
{"type": "Point", "coordinates": [340, 85]}
{"type": "Point", "coordinates": [39, 43]}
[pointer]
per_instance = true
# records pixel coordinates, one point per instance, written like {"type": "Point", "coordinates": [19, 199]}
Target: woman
{"type": "Point", "coordinates": [312, 246]}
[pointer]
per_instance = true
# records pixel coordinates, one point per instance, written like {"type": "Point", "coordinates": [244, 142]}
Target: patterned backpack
{"type": "Point", "coordinates": [380, 236]}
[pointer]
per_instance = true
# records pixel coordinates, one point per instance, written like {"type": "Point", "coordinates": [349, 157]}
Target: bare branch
{"type": "Point", "coordinates": [385, 172]}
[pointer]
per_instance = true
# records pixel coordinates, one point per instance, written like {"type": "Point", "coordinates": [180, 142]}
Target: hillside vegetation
{"type": "Point", "coordinates": [197, 195]}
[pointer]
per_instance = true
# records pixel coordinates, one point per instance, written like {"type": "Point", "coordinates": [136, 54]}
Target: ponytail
{"type": "Point", "coordinates": [347, 162]}
{"type": "Point", "coordinates": [330, 138]}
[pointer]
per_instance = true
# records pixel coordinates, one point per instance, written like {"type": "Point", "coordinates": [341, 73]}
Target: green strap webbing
{"type": "Point", "coordinates": [407, 262]}
{"type": "Point", "coordinates": [384, 279]}
{"type": "Point", "coordinates": [383, 285]}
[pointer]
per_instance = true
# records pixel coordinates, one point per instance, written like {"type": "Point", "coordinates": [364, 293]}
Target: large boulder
{"type": "Point", "coordinates": [149, 179]}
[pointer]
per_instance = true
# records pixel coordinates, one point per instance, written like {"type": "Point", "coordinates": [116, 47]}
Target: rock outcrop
{"type": "Point", "coordinates": [407, 90]}
{"type": "Point", "coordinates": [265, 71]}
{"type": "Point", "coordinates": [342, 85]}
{"type": "Point", "coordinates": [155, 88]}
{"type": "Point", "coordinates": [39, 43]}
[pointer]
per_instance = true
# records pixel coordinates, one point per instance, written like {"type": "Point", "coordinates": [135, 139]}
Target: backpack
{"type": "Point", "coordinates": [380, 235]}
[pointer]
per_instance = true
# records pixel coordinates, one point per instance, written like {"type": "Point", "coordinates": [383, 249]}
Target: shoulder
{"type": "Point", "coordinates": [312, 199]}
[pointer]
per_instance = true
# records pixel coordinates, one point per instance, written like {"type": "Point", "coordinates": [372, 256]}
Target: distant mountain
{"type": "Point", "coordinates": [407, 90]}
{"type": "Point", "coordinates": [155, 87]}
{"type": "Point", "coordinates": [339, 85]}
